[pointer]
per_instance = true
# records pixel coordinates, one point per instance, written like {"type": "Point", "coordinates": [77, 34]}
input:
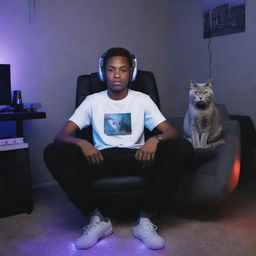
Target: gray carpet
{"type": "Point", "coordinates": [226, 230]}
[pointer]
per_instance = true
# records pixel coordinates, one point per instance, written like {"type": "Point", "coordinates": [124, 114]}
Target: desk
{"type": "Point", "coordinates": [15, 176]}
{"type": "Point", "coordinates": [18, 117]}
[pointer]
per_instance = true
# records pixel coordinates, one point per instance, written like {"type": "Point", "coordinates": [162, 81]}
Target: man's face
{"type": "Point", "coordinates": [117, 73]}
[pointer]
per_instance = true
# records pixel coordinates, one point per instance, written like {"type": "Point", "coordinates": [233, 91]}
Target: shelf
{"type": "Point", "coordinates": [14, 116]}
{"type": "Point", "coordinates": [18, 117]}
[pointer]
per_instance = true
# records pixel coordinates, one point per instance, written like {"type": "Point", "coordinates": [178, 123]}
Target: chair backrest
{"type": "Point", "coordinates": [88, 84]}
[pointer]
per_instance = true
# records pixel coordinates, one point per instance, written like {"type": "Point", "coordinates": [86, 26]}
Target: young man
{"type": "Point", "coordinates": [118, 117]}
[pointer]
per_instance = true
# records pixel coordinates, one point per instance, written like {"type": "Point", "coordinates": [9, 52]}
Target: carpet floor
{"type": "Point", "coordinates": [51, 229]}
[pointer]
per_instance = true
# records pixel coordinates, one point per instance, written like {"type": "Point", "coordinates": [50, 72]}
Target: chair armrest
{"type": "Point", "coordinates": [216, 172]}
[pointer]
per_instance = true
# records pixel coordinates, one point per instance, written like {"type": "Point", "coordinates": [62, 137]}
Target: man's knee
{"type": "Point", "coordinates": [177, 144]}
{"type": "Point", "coordinates": [185, 147]}
{"type": "Point", "coordinates": [49, 152]}
{"type": "Point", "coordinates": [55, 154]}
{"type": "Point", "coordinates": [179, 149]}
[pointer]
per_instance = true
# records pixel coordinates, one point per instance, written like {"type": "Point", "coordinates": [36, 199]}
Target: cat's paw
{"type": "Point", "coordinates": [196, 145]}
{"type": "Point", "coordinates": [200, 145]}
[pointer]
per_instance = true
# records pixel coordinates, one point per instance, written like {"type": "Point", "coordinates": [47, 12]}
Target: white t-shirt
{"type": "Point", "coordinates": [118, 123]}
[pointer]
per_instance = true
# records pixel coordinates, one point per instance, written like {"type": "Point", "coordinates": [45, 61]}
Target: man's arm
{"type": "Point", "coordinates": [167, 131]}
{"type": "Point", "coordinates": [146, 154]}
{"type": "Point", "coordinates": [92, 155]}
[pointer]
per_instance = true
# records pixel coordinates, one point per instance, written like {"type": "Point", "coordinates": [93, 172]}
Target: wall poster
{"type": "Point", "coordinates": [222, 17]}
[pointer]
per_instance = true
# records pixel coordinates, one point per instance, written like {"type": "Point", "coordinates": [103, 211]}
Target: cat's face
{"type": "Point", "coordinates": [201, 94]}
{"type": "Point", "coordinates": [116, 124]}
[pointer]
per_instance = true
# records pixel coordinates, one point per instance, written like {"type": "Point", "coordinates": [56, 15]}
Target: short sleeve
{"type": "Point", "coordinates": [82, 115]}
{"type": "Point", "coordinates": [152, 115]}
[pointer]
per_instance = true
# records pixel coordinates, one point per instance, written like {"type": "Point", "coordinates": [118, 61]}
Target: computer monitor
{"type": "Point", "coordinates": [5, 85]}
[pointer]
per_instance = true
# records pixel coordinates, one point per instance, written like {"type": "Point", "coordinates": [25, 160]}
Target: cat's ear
{"type": "Point", "coordinates": [192, 84]}
{"type": "Point", "coordinates": [209, 83]}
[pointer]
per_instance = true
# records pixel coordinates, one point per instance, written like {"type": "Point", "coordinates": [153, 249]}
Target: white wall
{"type": "Point", "coordinates": [65, 39]}
{"type": "Point", "coordinates": [233, 63]}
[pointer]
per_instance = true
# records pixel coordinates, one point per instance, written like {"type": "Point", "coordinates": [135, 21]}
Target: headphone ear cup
{"type": "Point", "coordinates": [100, 70]}
{"type": "Point", "coordinates": [134, 69]}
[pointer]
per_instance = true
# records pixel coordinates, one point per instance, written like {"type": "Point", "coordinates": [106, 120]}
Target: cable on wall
{"type": "Point", "coordinates": [210, 58]}
{"type": "Point", "coordinates": [31, 8]}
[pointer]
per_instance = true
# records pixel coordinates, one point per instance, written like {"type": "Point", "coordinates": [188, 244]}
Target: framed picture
{"type": "Point", "coordinates": [222, 17]}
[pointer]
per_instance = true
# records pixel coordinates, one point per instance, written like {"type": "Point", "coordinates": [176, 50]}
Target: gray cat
{"type": "Point", "coordinates": [202, 124]}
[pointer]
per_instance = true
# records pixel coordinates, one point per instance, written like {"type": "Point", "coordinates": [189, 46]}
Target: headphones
{"type": "Point", "coordinates": [101, 71]}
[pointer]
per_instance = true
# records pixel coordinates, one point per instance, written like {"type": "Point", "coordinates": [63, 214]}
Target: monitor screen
{"type": "Point", "coordinates": [5, 84]}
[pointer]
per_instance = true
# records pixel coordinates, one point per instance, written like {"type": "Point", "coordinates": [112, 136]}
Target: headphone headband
{"type": "Point", "coordinates": [101, 71]}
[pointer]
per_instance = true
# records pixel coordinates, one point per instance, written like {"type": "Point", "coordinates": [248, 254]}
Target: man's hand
{"type": "Point", "coordinates": [146, 154]}
{"type": "Point", "coordinates": [92, 155]}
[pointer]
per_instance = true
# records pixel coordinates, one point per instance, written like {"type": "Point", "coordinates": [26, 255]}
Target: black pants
{"type": "Point", "coordinates": [69, 167]}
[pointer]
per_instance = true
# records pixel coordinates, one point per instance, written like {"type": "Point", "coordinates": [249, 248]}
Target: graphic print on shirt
{"type": "Point", "coordinates": [117, 124]}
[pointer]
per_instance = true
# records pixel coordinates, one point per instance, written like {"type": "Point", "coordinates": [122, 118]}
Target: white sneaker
{"type": "Point", "coordinates": [146, 232]}
{"type": "Point", "coordinates": [92, 233]}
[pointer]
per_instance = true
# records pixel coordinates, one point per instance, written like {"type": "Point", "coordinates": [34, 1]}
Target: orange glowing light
{"type": "Point", "coordinates": [235, 174]}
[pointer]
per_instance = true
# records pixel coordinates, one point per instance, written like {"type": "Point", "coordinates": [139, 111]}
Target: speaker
{"type": "Point", "coordinates": [5, 84]}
